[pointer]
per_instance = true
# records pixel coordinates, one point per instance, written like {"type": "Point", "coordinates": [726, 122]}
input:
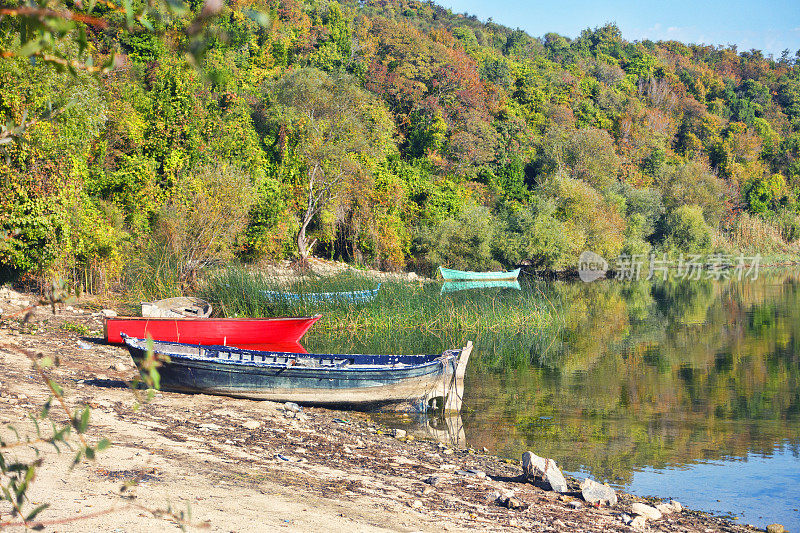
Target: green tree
{"type": "Point", "coordinates": [334, 121]}
{"type": "Point", "coordinates": [691, 183]}
{"type": "Point", "coordinates": [765, 194]}
{"type": "Point", "coordinates": [590, 155]}
{"type": "Point", "coordinates": [687, 230]}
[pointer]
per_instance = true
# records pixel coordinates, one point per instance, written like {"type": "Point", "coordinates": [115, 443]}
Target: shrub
{"type": "Point", "coordinates": [198, 226]}
{"type": "Point", "coordinates": [463, 242]}
{"type": "Point", "coordinates": [534, 235]}
{"type": "Point", "coordinates": [643, 208]}
{"type": "Point", "coordinates": [635, 245]}
{"type": "Point", "coordinates": [27, 228]}
{"type": "Point", "coordinates": [764, 194]}
{"type": "Point", "coordinates": [692, 184]}
{"type": "Point", "coordinates": [91, 239]}
{"type": "Point", "coordinates": [592, 221]}
{"type": "Point", "coordinates": [788, 223]}
{"type": "Point", "coordinates": [687, 230]}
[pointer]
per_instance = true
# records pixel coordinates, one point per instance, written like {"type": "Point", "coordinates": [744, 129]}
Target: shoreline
{"type": "Point", "coordinates": [325, 268]}
{"type": "Point", "coordinates": [243, 464]}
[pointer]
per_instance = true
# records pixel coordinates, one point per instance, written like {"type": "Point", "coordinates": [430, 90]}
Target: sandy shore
{"type": "Point", "coordinates": [242, 465]}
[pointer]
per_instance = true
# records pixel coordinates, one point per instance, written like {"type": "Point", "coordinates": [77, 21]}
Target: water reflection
{"type": "Point", "coordinates": [657, 377]}
{"type": "Point", "coordinates": [455, 286]}
{"type": "Point", "coordinates": [661, 388]}
{"type": "Point", "coordinates": [447, 429]}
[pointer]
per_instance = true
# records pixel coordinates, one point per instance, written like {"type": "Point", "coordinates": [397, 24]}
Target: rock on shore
{"type": "Point", "coordinates": [534, 466]}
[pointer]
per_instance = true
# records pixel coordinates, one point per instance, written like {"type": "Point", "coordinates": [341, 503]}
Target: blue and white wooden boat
{"type": "Point", "coordinates": [325, 379]}
{"type": "Point", "coordinates": [450, 274]}
{"type": "Point", "coordinates": [317, 297]}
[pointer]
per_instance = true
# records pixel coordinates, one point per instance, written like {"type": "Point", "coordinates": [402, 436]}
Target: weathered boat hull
{"type": "Point", "coordinates": [250, 333]}
{"type": "Point", "coordinates": [353, 380]}
{"type": "Point", "coordinates": [450, 274]}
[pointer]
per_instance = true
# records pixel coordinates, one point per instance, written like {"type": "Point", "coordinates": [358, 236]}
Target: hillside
{"type": "Point", "coordinates": [394, 134]}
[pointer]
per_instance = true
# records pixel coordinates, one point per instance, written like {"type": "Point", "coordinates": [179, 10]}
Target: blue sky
{"type": "Point", "coordinates": [768, 25]}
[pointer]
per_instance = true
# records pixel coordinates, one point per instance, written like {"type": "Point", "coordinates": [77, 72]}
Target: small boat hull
{"type": "Point", "coordinates": [320, 379]}
{"type": "Point", "coordinates": [450, 274]}
{"type": "Point", "coordinates": [250, 333]}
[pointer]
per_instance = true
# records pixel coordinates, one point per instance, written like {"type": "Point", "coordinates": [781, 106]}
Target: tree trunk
{"type": "Point", "coordinates": [303, 246]}
{"type": "Point", "coordinates": [302, 242]}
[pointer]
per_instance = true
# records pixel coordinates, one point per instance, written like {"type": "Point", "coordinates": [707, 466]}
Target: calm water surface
{"type": "Point", "coordinates": [689, 390]}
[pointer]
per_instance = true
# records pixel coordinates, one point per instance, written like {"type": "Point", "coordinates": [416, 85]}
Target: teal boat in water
{"type": "Point", "coordinates": [450, 274]}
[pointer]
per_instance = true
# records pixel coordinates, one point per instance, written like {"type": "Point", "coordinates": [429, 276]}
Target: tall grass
{"type": "Point", "coordinates": [404, 316]}
{"type": "Point", "coordinates": [153, 273]}
{"type": "Point", "coordinates": [753, 234]}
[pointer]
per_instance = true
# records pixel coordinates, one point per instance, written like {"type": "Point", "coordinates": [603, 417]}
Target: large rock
{"type": "Point", "coordinates": [670, 507]}
{"type": "Point", "coordinates": [776, 528]}
{"type": "Point", "coordinates": [594, 492]}
{"type": "Point", "coordinates": [546, 469]}
{"type": "Point", "coordinates": [642, 509]}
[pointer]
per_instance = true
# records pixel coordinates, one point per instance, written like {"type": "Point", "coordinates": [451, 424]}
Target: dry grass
{"type": "Point", "coordinates": [752, 234]}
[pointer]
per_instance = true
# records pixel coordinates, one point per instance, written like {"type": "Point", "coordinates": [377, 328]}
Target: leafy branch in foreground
{"type": "Point", "coordinates": [148, 375]}
{"type": "Point", "coordinates": [65, 428]}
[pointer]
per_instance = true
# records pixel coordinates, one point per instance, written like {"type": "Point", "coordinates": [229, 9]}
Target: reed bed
{"type": "Point", "coordinates": [403, 317]}
{"type": "Point", "coordinates": [753, 234]}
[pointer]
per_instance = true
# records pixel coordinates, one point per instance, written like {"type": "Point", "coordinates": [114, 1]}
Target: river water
{"type": "Point", "coordinates": [688, 390]}
{"type": "Point", "coordinates": [680, 389]}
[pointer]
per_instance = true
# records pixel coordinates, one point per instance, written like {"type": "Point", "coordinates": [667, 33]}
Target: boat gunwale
{"type": "Point", "coordinates": [469, 275]}
{"type": "Point", "coordinates": [355, 296]}
{"type": "Point", "coordinates": [216, 319]}
{"type": "Point", "coordinates": [189, 360]}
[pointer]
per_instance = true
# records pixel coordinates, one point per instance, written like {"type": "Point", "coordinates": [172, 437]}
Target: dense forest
{"type": "Point", "coordinates": [387, 133]}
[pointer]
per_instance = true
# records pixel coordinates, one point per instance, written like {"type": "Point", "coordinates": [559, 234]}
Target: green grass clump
{"type": "Point", "coordinates": [404, 317]}
{"type": "Point", "coordinates": [80, 329]}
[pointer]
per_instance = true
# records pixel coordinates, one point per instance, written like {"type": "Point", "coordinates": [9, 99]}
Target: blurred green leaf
{"type": "Point", "coordinates": [259, 17]}
{"type": "Point", "coordinates": [36, 511]}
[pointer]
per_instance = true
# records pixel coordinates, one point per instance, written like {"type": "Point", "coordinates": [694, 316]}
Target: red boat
{"type": "Point", "coordinates": [250, 333]}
